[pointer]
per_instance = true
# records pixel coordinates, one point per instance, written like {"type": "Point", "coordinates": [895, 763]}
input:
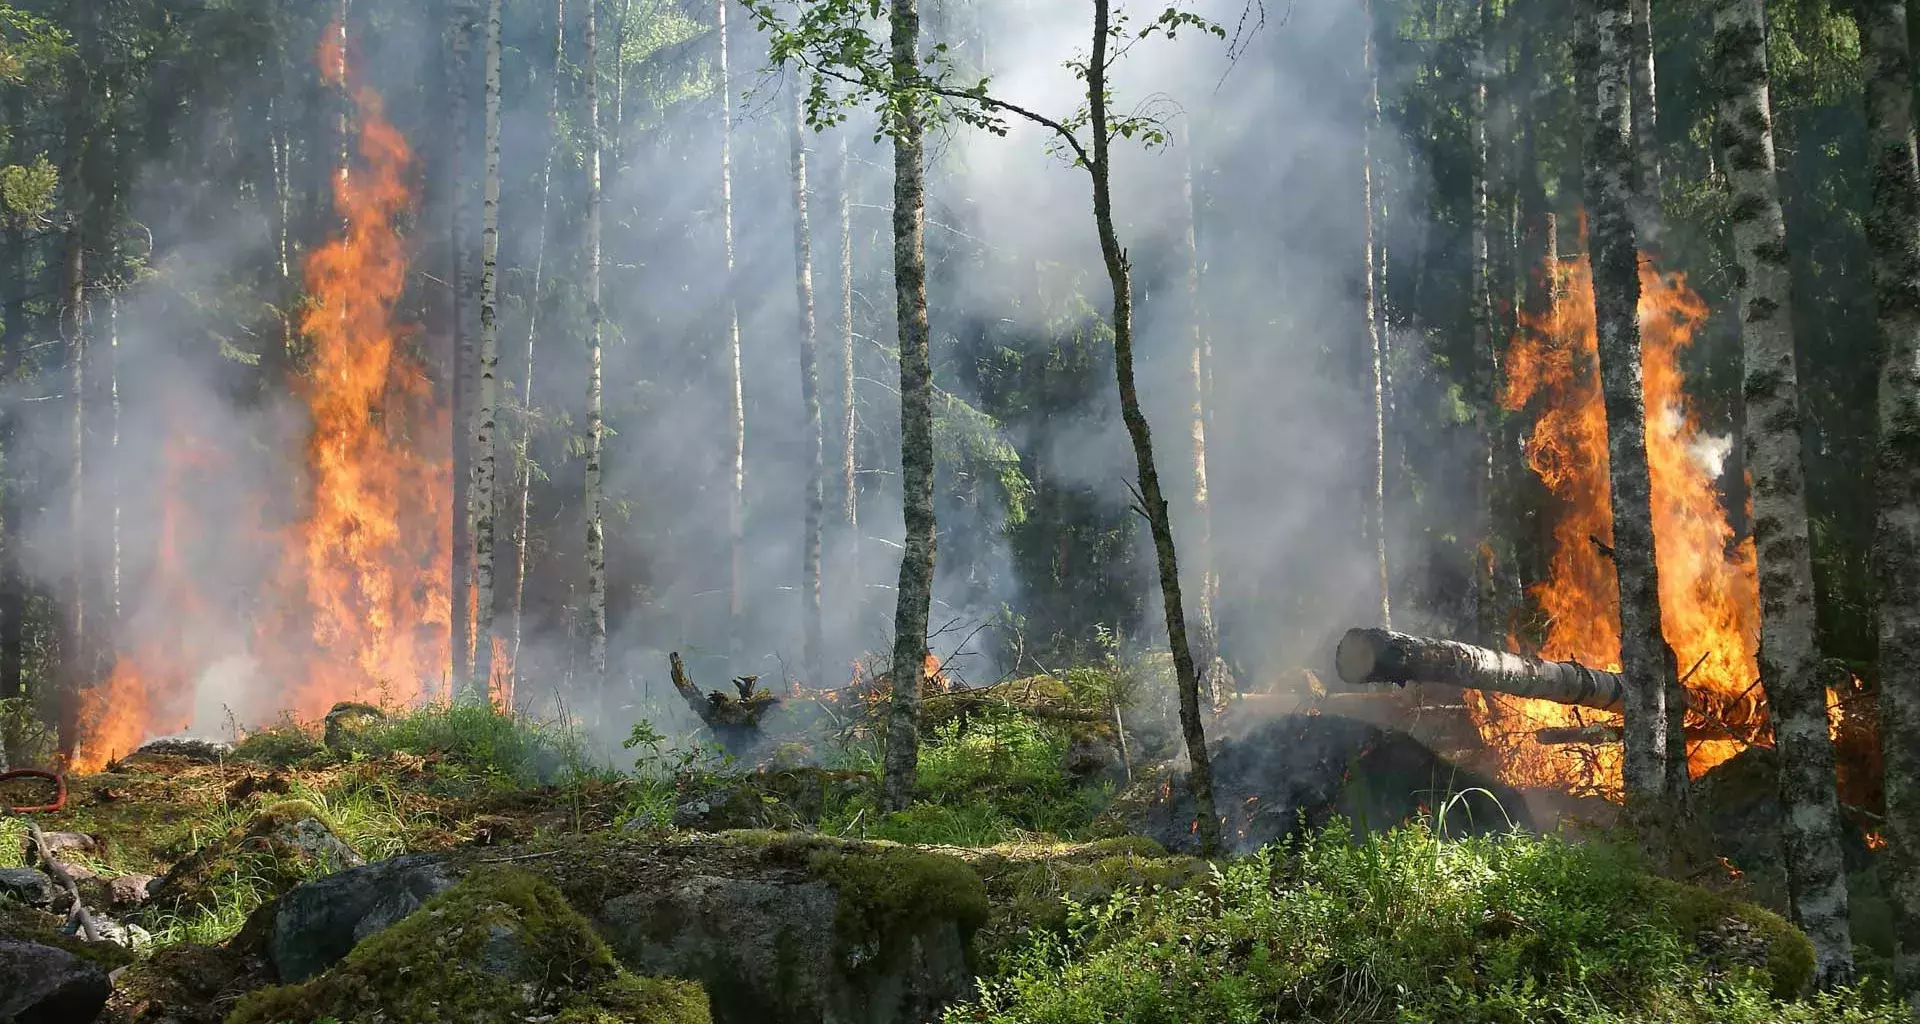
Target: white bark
{"type": "Point", "coordinates": [485, 455]}
{"type": "Point", "coordinates": [596, 535]}
{"type": "Point", "coordinates": [814, 500]}
{"type": "Point", "coordinates": [736, 405]}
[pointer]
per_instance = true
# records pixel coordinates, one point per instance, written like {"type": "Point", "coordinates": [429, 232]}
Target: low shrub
{"type": "Point", "coordinates": [1403, 927]}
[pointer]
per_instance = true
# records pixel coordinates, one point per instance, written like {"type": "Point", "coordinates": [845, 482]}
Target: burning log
{"type": "Point", "coordinates": [736, 720]}
{"type": "Point", "coordinates": [1383, 656]}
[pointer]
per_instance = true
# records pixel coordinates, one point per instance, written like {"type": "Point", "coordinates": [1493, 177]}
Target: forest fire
{"type": "Point", "coordinates": [1709, 589]}
{"type": "Point", "coordinates": [358, 605]}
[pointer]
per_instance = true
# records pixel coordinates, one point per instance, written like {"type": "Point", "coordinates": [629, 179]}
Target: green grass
{"type": "Point", "coordinates": [1406, 928]}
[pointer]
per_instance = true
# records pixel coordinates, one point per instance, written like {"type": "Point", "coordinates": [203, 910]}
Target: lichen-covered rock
{"type": "Point", "coordinates": [501, 946]}
{"type": "Point", "coordinates": [780, 798]}
{"type": "Point", "coordinates": [775, 927]}
{"type": "Point", "coordinates": [25, 924]}
{"type": "Point", "coordinates": [27, 886]}
{"type": "Point", "coordinates": [44, 985]}
{"type": "Point", "coordinates": [312, 926]}
{"type": "Point", "coordinates": [348, 722]}
{"type": "Point", "coordinates": [1733, 933]}
{"type": "Point", "coordinates": [184, 985]}
{"type": "Point", "coordinates": [187, 748]}
{"type": "Point", "coordinates": [284, 843]}
{"type": "Point", "coordinates": [127, 891]}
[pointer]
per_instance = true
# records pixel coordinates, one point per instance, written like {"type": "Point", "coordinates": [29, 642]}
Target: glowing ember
{"type": "Point", "coordinates": [358, 606]}
{"type": "Point", "coordinates": [1709, 590]}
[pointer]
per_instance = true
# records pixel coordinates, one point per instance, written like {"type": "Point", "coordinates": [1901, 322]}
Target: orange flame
{"type": "Point", "coordinates": [358, 606]}
{"type": "Point", "coordinates": [1709, 587]}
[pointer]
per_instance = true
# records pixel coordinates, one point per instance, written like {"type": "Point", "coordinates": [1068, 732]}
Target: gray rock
{"type": "Point", "coordinates": [119, 933]}
{"type": "Point", "coordinates": [28, 886]}
{"type": "Point", "coordinates": [347, 721]}
{"type": "Point", "coordinates": [58, 843]}
{"type": "Point", "coordinates": [315, 924]}
{"type": "Point", "coordinates": [315, 840]}
{"type": "Point", "coordinates": [43, 985]}
{"type": "Point", "coordinates": [192, 748]}
{"type": "Point", "coordinates": [129, 890]}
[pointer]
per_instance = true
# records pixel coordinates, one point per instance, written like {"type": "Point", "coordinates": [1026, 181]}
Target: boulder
{"type": "Point", "coordinates": [315, 924]}
{"type": "Point", "coordinates": [28, 886]}
{"type": "Point", "coordinates": [775, 927]}
{"type": "Point", "coordinates": [43, 985]}
{"type": "Point", "coordinates": [778, 798]}
{"type": "Point", "coordinates": [501, 946]}
{"type": "Point", "coordinates": [1294, 771]}
{"type": "Point", "coordinates": [183, 984]}
{"type": "Point", "coordinates": [348, 722]}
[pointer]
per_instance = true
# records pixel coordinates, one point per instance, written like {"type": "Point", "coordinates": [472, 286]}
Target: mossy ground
{"type": "Point", "coordinates": [501, 946]}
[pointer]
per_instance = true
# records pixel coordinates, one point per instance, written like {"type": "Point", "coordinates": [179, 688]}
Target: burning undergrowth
{"type": "Point", "coordinates": [353, 597]}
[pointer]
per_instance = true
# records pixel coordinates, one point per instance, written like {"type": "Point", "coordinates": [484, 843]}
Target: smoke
{"type": "Point", "coordinates": [1273, 131]}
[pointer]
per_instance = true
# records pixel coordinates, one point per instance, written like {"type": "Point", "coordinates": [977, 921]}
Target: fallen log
{"type": "Point", "coordinates": [1382, 656]}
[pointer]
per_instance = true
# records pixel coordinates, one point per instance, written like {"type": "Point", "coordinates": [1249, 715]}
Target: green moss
{"type": "Point", "coordinates": [285, 812]}
{"type": "Point", "coordinates": [30, 925]}
{"type": "Point", "coordinates": [1035, 894]}
{"type": "Point", "coordinates": [501, 946]}
{"type": "Point", "coordinates": [883, 891]}
{"type": "Point", "coordinates": [1697, 912]}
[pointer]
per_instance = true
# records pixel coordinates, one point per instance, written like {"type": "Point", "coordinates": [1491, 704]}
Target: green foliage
{"type": "Point", "coordinates": [1398, 927]}
{"type": "Point", "coordinates": [26, 191]}
{"type": "Point", "coordinates": [29, 46]}
{"type": "Point", "coordinates": [282, 745]}
{"type": "Point", "coordinates": [883, 892]}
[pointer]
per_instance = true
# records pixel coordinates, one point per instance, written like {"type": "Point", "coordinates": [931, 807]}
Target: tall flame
{"type": "Point", "coordinates": [358, 606]}
{"type": "Point", "coordinates": [1709, 588]}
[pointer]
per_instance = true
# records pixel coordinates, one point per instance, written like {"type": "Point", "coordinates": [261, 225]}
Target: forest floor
{"type": "Point", "coordinates": [1013, 856]}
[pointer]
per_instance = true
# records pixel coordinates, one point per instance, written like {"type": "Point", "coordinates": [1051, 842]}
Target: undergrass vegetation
{"type": "Point", "coordinates": [1415, 929]}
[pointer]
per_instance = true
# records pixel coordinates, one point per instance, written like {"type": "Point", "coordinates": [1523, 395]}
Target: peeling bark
{"type": "Point", "coordinates": [485, 466]}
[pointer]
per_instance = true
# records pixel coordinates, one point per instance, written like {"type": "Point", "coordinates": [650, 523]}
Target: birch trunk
{"type": "Point", "coordinates": [914, 593]}
{"type": "Point", "coordinates": [523, 449]}
{"type": "Point", "coordinates": [596, 536]}
{"type": "Point", "coordinates": [1208, 648]}
{"type": "Point", "coordinates": [1647, 186]}
{"type": "Point", "coordinates": [485, 460]}
{"type": "Point", "coordinates": [13, 347]}
{"type": "Point", "coordinates": [1159, 523]}
{"type": "Point", "coordinates": [1789, 658]}
{"type": "Point", "coordinates": [1488, 626]}
{"type": "Point", "coordinates": [850, 496]}
{"type": "Point", "coordinates": [736, 406]}
{"type": "Point", "coordinates": [815, 498]}
{"type": "Point", "coordinates": [73, 646]}
{"type": "Point", "coordinates": [464, 301]}
{"type": "Point", "coordinates": [1376, 335]}
{"type": "Point", "coordinates": [1609, 169]}
{"type": "Point", "coordinates": [1893, 231]}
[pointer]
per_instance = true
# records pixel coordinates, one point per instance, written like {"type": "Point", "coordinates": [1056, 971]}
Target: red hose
{"type": "Point", "coordinates": [60, 786]}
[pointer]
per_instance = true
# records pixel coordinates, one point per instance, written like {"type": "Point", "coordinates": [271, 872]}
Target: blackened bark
{"type": "Point", "coordinates": [1382, 656]}
{"type": "Point", "coordinates": [1893, 231]}
{"type": "Point", "coordinates": [1609, 161]}
{"type": "Point", "coordinates": [914, 595]}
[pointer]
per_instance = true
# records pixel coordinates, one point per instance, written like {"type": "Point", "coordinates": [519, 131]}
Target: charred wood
{"type": "Point", "coordinates": [1383, 656]}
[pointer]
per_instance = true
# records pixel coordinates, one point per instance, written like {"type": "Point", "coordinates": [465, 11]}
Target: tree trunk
{"type": "Point", "coordinates": [1616, 287]}
{"type": "Point", "coordinates": [850, 496]}
{"type": "Point", "coordinates": [1376, 334]}
{"type": "Point", "coordinates": [1789, 658]}
{"type": "Point", "coordinates": [914, 593]}
{"type": "Point", "coordinates": [1893, 230]}
{"type": "Point", "coordinates": [1647, 185]}
{"type": "Point", "coordinates": [75, 654]}
{"type": "Point", "coordinates": [13, 347]}
{"type": "Point", "coordinates": [1487, 625]}
{"type": "Point", "coordinates": [523, 451]}
{"type": "Point", "coordinates": [485, 455]}
{"type": "Point", "coordinates": [736, 406]}
{"type": "Point", "coordinates": [1381, 656]}
{"type": "Point", "coordinates": [464, 302]}
{"type": "Point", "coordinates": [1159, 523]}
{"type": "Point", "coordinates": [815, 499]}
{"type": "Point", "coordinates": [1208, 648]}
{"type": "Point", "coordinates": [596, 535]}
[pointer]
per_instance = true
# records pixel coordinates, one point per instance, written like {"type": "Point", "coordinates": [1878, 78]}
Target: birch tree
{"type": "Point", "coordinates": [814, 500]}
{"type": "Point", "coordinates": [1789, 658]}
{"type": "Point", "coordinates": [1609, 176]}
{"type": "Point", "coordinates": [485, 456]}
{"type": "Point", "coordinates": [523, 448]}
{"type": "Point", "coordinates": [1199, 360]}
{"type": "Point", "coordinates": [850, 495]}
{"type": "Point", "coordinates": [1647, 185]}
{"type": "Point", "coordinates": [466, 301]}
{"type": "Point", "coordinates": [730, 358]}
{"type": "Point", "coordinates": [1376, 329]}
{"type": "Point", "coordinates": [596, 534]}
{"type": "Point", "coordinates": [1893, 232]}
